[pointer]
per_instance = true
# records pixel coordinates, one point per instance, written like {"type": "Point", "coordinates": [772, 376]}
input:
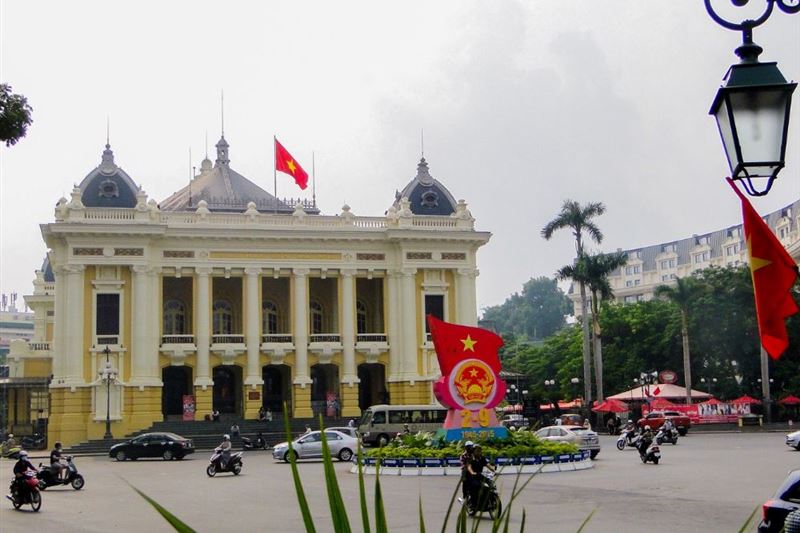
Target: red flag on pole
{"type": "Point", "coordinates": [454, 342]}
{"type": "Point", "coordinates": [284, 162]}
{"type": "Point", "coordinates": [774, 273]}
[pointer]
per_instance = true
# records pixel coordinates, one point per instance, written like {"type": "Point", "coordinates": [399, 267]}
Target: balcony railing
{"type": "Point", "coordinates": [177, 339]}
{"type": "Point", "coordinates": [106, 340]}
{"type": "Point", "coordinates": [371, 337]}
{"type": "Point", "coordinates": [227, 339]}
{"type": "Point", "coordinates": [325, 337]}
{"type": "Point", "coordinates": [276, 338]}
{"type": "Point", "coordinates": [40, 346]}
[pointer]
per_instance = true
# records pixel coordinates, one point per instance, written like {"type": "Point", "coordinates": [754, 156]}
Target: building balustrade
{"type": "Point", "coordinates": [325, 337]}
{"type": "Point", "coordinates": [227, 339]}
{"type": "Point", "coordinates": [39, 346]}
{"type": "Point", "coordinates": [277, 338]}
{"type": "Point", "coordinates": [177, 339]}
{"type": "Point", "coordinates": [371, 337]}
{"type": "Point", "coordinates": [106, 340]}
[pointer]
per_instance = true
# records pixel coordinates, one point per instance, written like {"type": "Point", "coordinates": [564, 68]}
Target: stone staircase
{"type": "Point", "coordinates": [206, 435]}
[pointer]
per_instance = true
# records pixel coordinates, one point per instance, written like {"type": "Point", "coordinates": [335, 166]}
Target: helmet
{"type": "Point", "coordinates": [23, 453]}
{"type": "Point", "coordinates": [226, 437]}
{"type": "Point", "coordinates": [58, 445]}
{"type": "Point", "coordinates": [10, 435]}
{"type": "Point", "coordinates": [647, 427]}
{"type": "Point", "coordinates": [469, 444]}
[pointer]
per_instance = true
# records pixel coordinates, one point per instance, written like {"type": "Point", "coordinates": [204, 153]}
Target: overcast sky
{"type": "Point", "coordinates": [523, 105]}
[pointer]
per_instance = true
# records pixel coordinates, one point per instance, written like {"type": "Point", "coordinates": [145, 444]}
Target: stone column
{"type": "Point", "coordinates": [74, 307]}
{"type": "Point", "coordinates": [58, 348]}
{"type": "Point", "coordinates": [302, 393]}
{"type": "Point", "coordinates": [408, 366]}
{"type": "Point", "coordinates": [348, 326]}
{"type": "Point", "coordinates": [202, 371]}
{"type": "Point", "coordinates": [393, 322]}
{"type": "Point", "coordinates": [252, 327]}
{"type": "Point", "coordinates": [465, 297]}
{"type": "Point", "coordinates": [138, 321]}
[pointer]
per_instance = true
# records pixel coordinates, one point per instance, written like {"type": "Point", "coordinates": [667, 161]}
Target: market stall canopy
{"type": "Point", "coordinates": [611, 406]}
{"type": "Point", "coordinates": [562, 405]}
{"type": "Point", "coordinates": [746, 399]}
{"type": "Point", "coordinates": [790, 400]}
{"type": "Point", "coordinates": [662, 403]}
{"type": "Point", "coordinates": [712, 401]}
{"type": "Point", "coordinates": [660, 390]}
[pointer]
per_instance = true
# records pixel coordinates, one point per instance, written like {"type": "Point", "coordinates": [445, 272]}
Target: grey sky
{"type": "Point", "coordinates": [523, 104]}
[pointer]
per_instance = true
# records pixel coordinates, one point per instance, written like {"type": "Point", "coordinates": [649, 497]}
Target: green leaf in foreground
{"type": "Point", "coordinates": [380, 512]}
{"type": "Point", "coordinates": [173, 520]}
{"type": "Point", "coordinates": [421, 516]}
{"type": "Point", "coordinates": [587, 520]}
{"type": "Point", "coordinates": [338, 511]}
{"type": "Point", "coordinates": [749, 519]}
{"type": "Point", "coordinates": [362, 492]}
{"type": "Point", "coordinates": [298, 485]}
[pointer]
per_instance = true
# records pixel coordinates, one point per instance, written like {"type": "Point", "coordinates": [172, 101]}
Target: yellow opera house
{"type": "Point", "coordinates": [223, 297]}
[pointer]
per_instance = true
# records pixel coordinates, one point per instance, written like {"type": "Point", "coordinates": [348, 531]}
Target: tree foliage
{"type": "Point", "coordinates": [536, 313]}
{"type": "Point", "coordinates": [15, 115]}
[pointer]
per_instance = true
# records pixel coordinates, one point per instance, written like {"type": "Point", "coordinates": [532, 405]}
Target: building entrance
{"type": "Point", "coordinates": [277, 388]}
{"type": "Point", "coordinates": [372, 386]}
{"type": "Point", "coordinates": [177, 382]}
{"type": "Point", "coordinates": [228, 389]}
{"type": "Point", "coordinates": [325, 398]}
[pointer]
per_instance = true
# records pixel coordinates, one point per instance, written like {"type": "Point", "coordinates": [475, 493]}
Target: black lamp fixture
{"type": "Point", "coordinates": [752, 108]}
{"type": "Point", "coordinates": [108, 374]}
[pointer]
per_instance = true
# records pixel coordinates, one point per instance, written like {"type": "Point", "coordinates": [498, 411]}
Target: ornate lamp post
{"type": "Point", "coordinates": [108, 375]}
{"type": "Point", "coordinates": [709, 382]}
{"type": "Point", "coordinates": [752, 108]}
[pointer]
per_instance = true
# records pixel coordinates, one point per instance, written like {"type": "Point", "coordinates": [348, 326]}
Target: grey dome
{"type": "Point", "coordinates": [47, 270]}
{"type": "Point", "coordinates": [108, 185]}
{"type": "Point", "coordinates": [426, 194]}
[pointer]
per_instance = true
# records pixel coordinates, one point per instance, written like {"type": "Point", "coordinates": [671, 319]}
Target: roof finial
{"type": "Point", "coordinates": [222, 110]}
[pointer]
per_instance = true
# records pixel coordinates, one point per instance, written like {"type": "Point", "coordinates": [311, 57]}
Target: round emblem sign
{"type": "Point", "coordinates": [667, 376]}
{"type": "Point", "coordinates": [472, 384]}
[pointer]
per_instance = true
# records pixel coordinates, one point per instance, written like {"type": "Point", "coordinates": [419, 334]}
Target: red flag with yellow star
{"type": "Point", "coordinates": [284, 162]}
{"type": "Point", "coordinates": [774, 273]}
{"type": "Point", "coordinates": [454, 343]}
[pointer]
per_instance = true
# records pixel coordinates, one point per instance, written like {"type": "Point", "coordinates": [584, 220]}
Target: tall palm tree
{"type": "Point", "coordinates": [682, 294]}
{"type": "Point", "coordinates": [579, 218]}
{"type": "Point", "coordinates": [598, 267]}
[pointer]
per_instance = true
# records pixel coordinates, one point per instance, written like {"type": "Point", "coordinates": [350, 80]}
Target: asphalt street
{"type": "Point", "coordinates": [707, 483]}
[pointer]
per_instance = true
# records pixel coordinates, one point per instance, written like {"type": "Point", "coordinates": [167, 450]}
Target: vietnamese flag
{"type": "Point", "coordinates": [774, 273]}
{"type": "Point", "coordinates": [454, 343]}
{"type": "Point", "coordinates": [284, 162]}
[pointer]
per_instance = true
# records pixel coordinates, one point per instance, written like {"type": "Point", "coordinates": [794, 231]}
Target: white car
{"type": "Point", "coordinates": [793, 439]}
{"type": "Point", "coordinates": [310, 445]}
{"type": "Point", "coordinates": [583, 438]}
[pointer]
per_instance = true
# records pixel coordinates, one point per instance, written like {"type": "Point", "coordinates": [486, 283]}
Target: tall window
{"type": "Point", "coordinates": [107, 314]}
{"type": "Point", "coordinates": [315, 308]}
{"type": "Point", "coordinates": [174, 317]}
{"type": "Point", "coordinates": [361, 317]}
{"type": "Point", "coordinates": [269, 317]}
{"type": "Point", "coordinates": [223, 317]}
{"type": "Point", "coordinates": [434, 305]}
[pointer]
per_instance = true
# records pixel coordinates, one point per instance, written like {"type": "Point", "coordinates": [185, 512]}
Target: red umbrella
{"type": "Point", "coordinates": [746, 399]}
{"type": "Point", "coordinates": [662, 403]}
{"type": "Point", "coordinates": [712, 401]}
{"type": "Point", "coordinates": [611, 406]}
{"type": "Point", "coordinates": [790, 400]}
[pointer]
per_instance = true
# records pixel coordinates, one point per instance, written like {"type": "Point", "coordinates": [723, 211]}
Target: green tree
{"type": "Point", "coordinates": [579, 219]}
{"type": "Point", "coordinates": [15, 115]}
{"type": "Point", "coordinates": [682, 294]}
{"type": "Point", "coordinates": [536, 313]}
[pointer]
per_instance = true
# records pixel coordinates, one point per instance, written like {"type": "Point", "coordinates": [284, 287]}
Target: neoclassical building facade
{"type": "Point", "coordinates": [238, 300]}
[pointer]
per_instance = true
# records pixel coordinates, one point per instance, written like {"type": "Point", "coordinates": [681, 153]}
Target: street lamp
{"type": "Point", "coordinates": [752, 108]}
{"type": "Point", "coordinates": [108, 375]}
{"type": "Point", "coordinates": [709, 382]}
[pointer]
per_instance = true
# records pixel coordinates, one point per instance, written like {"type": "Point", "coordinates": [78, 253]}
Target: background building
{"type": "Point", "coordinates": [227, 295]}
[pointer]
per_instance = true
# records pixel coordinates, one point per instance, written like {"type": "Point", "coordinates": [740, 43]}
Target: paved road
{"type": "Point", "coordinates": [707, 483]}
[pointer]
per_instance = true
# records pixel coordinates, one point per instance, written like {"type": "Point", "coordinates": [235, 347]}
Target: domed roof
{"type": "Point", "coordinates": [108, 185]}
{"type": "Point", "coordinates": [426, 194]}
{"type": "Point", "coordinates": [47, 270]}
{"type": "Point", "coordinates": [224, 189]}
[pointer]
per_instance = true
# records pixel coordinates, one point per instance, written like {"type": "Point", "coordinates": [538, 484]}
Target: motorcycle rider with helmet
{"type": "Point", "coordinates": [474, 471]}
{"type": "Point", "coordinates": [465, 458]}
{"type": "Point", "coordinates": [668, 428]}
{"type": "Point", "coordinates": [225, 448]}
{"type": "Point", "coordinates": [55, 462]}
{"type": "Point", "coordinates": [20, 467]}
{"type": "Point", "coordinates": [645, 441]}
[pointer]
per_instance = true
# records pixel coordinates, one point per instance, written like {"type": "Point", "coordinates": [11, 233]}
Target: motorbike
{"type": "Point", "coordinates": [629, 439]}
{"type": "Point", "coordinates": [36, 442]}
{"type": "Point", "coordinates": [11, 452]}
{"type": "Point", "coordinates": [259, 443]}
{"type": "Point", "coordinates": [488, 499]}
{"type": "Point", "coordinates": [653, 453]}
{"type": "Point", "coordinates": [215, 463]}
{"type": "Point", "coordinates": [48, 476]}
{"type": "Point", "coordinates": [670, 435]}
{"type": "Point", "coordinates": [29, 495]}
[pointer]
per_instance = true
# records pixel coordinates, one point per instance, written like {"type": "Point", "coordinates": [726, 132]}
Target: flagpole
{"type": "Point", "coordinates": [275, 171]}
{"type": "Point", "coordinates": [313, 181]}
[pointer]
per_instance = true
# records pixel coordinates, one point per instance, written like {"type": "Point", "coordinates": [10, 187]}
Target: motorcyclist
{"type": "Point", "coordinates": [225, 448]}
{"type": "Point", "coordinates": [630, 431]}
{"type": "Point", "coordinates": [20, 467]}
{"type": "Point", "coordinates": [465, 458]}
{"type": "Point", "coordinates": [55, 462]}
{"type": "Point", "coordinates": [645, 441]}
{"type": "Point", "coordinates": [475, 471]}
{"type": "Point", "coordinates": [9, 443]}
{"type": "Point", "coordinates": [668, 428]}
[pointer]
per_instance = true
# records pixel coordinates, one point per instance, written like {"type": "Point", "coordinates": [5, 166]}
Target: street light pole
{"type": "Point", "coordinates": [108, 376]}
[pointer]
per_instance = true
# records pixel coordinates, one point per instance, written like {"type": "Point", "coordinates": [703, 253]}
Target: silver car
{"type": "Point", "coordinates": [310, 445]}
{"type": "Point", "coordinates": [793, 439]}
{"type": "Point", "coordinates": [583, 438]}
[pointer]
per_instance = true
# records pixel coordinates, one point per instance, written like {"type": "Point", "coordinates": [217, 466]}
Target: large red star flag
{"type": "Point", "coordinates": [470, 385]}
{"type": "Point", "coordinates": [774, 273]}
{"type": "Point", "coordinates": [284, 162]}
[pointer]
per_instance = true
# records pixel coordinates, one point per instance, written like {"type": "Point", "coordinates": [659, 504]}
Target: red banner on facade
{"type": "Point", "coordinates": [188, 407]}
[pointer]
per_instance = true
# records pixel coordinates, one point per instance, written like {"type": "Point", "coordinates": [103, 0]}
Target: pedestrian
{"type": "Point", "coordinates": [235, 430]}
{"type": "Point", "coordinates": [215, 415]}
{"type": "Point", "coordinates": [351, 424]}
{"type": "Point", "coordinates": [308, 430]}
{"type": "Point", "coordinates": [262, 413]}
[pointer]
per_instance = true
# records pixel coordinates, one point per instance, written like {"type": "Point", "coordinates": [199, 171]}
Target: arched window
{"type": "Point", "coordinates": [361, 317]}
{"type": "Point", "coordinates": [174, 317]}
{"type": "Point", "coordinates": [315, 308]}
{"type": "Point", "coordinates": [223, 318]}
{"type": "Point", "coordinates": [269, 317]}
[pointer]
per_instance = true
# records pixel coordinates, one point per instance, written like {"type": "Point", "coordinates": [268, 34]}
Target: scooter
{"type": "Point", "coordinates": [29, 495]}
{"type": "Point", "coordinates": [488, 499]}
{"type": "Point", "coordinates": [215, 463]}
{"type": "Point", "coordinates": [36, 442]}
{"type": "Point", "coordinates": [48, 476]}
{"type": "Point", "coordinates": [625, 439]}
{"type": "Point", "coordinates": [259, 443]}
{"type": "Point", "coordinates": [11, 452]}
{"type": "Point", "coordinates": [653, 453]}
{"type": "Point", "coordinates": [667, 436]}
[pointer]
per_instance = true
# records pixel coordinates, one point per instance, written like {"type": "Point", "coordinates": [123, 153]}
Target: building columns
{"type": "Point", "coordinates": [203, 376]}
{"type": "Point", "coordinates": [73, 345]}
{"type": "Point", "coordinates": [300, 306]}
{"type": "Point", "coordinates": [409, 319]}
{"type": "Point", "coordinates": [143, 369]}
{"type": "Point", "coordinates": [348, 327]}
{"type": "Point", "coordinates": [466, 305]}
{"type": "Point", "coordinates": [252, 328]}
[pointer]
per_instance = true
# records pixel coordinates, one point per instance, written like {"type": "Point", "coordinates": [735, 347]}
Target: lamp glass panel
{"type": "Point", "coordinates": [727, 134]}
{"type": "Point", "coordinates": [759, 119]}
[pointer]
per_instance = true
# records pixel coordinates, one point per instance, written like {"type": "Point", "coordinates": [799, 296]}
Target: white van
{"type": "Point", "coordinates": [381, 423]}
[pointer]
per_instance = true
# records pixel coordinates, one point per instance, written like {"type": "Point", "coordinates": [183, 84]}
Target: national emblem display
{"type": "Point", "coordinates": [470, 386]}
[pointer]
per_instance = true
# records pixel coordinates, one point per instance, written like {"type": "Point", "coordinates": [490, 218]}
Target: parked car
{"type": "Point", "coordinates": [516, 421]}
{"type": "Point", "coordinates": [656, 419]}
{"type": "Point", "coordinates": [582, 437]}
{"type": "Point", "coordinates": [168, 446]}
{"type": "Point", "coordinates": [309, 446]}
{"type": "Point", "coordinates": [793, 439]}
{"type": "Point", "coordinates": [346, 430]}
{"type": "Point", "coordinates": [785, 500]}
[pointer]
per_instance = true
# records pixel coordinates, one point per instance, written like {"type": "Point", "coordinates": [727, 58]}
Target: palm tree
{"type": "Point", "coordinates": [579, 219]}
{"type": "Point", "coordinates": [682, 294]}
{"type": "Point", "coordinates": [598, 267]}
